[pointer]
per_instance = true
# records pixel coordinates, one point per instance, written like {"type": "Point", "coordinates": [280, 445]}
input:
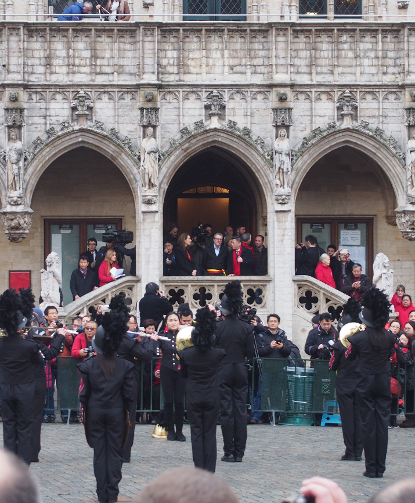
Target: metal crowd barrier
{"type": "Point", "coordinates": [295, 389]}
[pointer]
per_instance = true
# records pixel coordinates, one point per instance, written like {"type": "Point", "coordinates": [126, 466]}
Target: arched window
{"type": "Point", "coordinates": [214, 10]}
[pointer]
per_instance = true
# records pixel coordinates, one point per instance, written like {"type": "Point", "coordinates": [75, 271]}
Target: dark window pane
{"type": "Point", "coordinates": [310, 7]}
{"type": "Point", "coordinates": [197, 7]}
{"type": "Point", "coordinates": [231, 7]}
{"type": "Point", "coordinates": [347, 7]}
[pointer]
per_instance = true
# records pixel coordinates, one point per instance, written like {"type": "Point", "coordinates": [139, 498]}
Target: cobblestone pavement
{"type": "Point", "coordinates": [277, 459]}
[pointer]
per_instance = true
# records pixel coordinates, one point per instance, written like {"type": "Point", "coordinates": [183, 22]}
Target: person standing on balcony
{"type": "Point", "coordinates": [240, 259]}
{"type": "Point", "coordinates": [344, 270]}
{"type": "Point", "coordinates": [307, 256]}
{"type": "Point", "coordinates": [324, 272]}
{"type": "Point", "coordinates": [184, 259]}
{"type": "Point", "coordinates": [119, 11]}
{"type": "Point", "coordinates": [215, 257]}
{"type": "Point", "coordinates": [83, 279]}
{"type": "Point", "coordinates": [357, 284]}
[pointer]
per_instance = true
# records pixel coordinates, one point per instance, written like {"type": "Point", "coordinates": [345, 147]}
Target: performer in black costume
{"type": "Point", "coordinates": [131, 350]}
{"type": "Point", "coordinates": [17, 379]}
{"type": "Point", "coordinates": [46, 353]}
{"type": "Point", "coordinates": [346, 381]}
{"type": "Point", "coordinates": [200, 365]}
{"type": "Point", "coordinates": [374, 346]}
{"type": "Point", "coordinates": [237, 338]}
{"type": "Point", "coordinates": [172, 382]}
{"type": "Point", "coordinates": [106, 397]}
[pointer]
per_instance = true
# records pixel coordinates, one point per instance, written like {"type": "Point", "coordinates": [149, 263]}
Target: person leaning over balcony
{"type": "Point", "coordinates": [306, 256]}
{"type": "Point", "coordinates": [76, 10]}
{"type": "Point", "coordinates": [109, 262]}
{"type": "Point", "coordinates": [324, 272]}
{"type": "Point", "coordinates": [357, 284]}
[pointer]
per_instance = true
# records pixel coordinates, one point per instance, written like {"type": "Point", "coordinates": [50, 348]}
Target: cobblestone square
{"type": "Point", "coordinates": [277, 459]}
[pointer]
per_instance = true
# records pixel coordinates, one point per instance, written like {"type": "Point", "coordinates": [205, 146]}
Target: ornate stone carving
{"type": "Point", "coordinates": [282, 161]}
{"type": "Point", "coordinates": [147, 3]}
{"type": "Point", "coordinates": [50, 281]}
{"type": "Point", "coordinates": [232, 127]}
{"type": "Point", "coordinates": [282, 116]}
{"type": "Point", "coordinates": [282, 198]}
{"type": "Point", "coordinates": [14, 117]}
{"type": "Point", "coordinates": [149, 96]}
{"type": "Point", "coordinates": [362, 127]}
{"type": "Point", "coordinates": [405, 220]}
{"type": "Point", "coordinates": [282, 95]}
{"type": "Point", "coordinates": [410, 169]}
{"type": "Point", "coordinates": [347, 108]}
{"type": "Point", "coordinates": [13, 96]}
{"type": "Point", "coordinates": [382, 275]}
{"type": "Point", "coordinates": [149, 116]}
{"type": "Point", "coordinates": [410, 114]}
{"type": "Point", "coordinates": [82, 102]}
{"type": "Point", "coordinates": [16, 224]}
{"type": "Point", "coordinates": [150, 200]}
{"type": "Point", "coordinates": [403, 4]}
{"type": "Point", "coordinates": [14, 163]}
{"type": "Point", "coordinates": [149, 160]}
{"type": "Point", "coordinates": [215, 101]}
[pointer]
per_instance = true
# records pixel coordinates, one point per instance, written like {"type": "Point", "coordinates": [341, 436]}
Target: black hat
{"type": "Point", "coordinates": [231, 302]}
{"type": "Point", "coordinates": [316, 319]}
{"type": "Point", "coordinates": [224, 308]}
{"type": "Point", "coordinates": [366, 317]}
{"type": "Point", "coordinates": [12, 311]}
{"type": "Point", "coordinates": [98, 340]}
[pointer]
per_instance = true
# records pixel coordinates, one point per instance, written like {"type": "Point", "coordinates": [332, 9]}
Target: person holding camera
{"type": "Point", "coordinates": [154, 305]}
{"type": "Point", "coordinates": [82, 346]}
{"type": "Point", "coordinates": [130, 252]}
{"type": "Point", "coordinates": [236, 337]}
{"type": "Point", "coordinates": [307, 256]}
{"type": "Point", "coordinates": [357, 284]}
{"type": "Point", "coordinates": [318, 340]}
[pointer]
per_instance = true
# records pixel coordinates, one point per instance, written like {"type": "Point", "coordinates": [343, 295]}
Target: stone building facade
{"type": "Point", "coordinates": [228, 102]}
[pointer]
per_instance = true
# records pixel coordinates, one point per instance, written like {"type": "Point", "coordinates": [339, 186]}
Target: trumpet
{"type": "Point", "coordinates": [349, 330]}
{"type": "Point", "coordinates": [184, 338]}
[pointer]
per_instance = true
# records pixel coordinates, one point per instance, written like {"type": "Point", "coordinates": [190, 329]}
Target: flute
{"type": "Point", "coordinates": [143, 334]}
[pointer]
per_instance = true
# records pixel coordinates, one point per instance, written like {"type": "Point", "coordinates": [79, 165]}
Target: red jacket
{"type": "Point", "coordinates": [396, 301]}
{"type": "Point", "coordinates": [403, 313]}
{"type": "Point", "coordinates": [78, 344]}
{"type": "Point", "coordinates": [103, 278]}
{"type": "Point", "coordinates": [325, 274]}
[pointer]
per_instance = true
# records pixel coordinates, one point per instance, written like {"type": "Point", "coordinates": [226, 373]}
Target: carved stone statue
{"type": "Point", "coordinates": [50, 281]}
{"type": "Point", "coordinates": [149, 160]}
{"type": "Point", "coordinates": [14, 159]}
{"type": "Point", "coordinates": [382, 276]}
{"type": "Point", "coordinates": [410, 164]}
{"type": "Point", "coordinates": [282, 161]}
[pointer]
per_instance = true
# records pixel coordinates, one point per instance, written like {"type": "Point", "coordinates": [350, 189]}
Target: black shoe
{"type": "Point", "coordinates": [371, 475]}
{"type": "Point", "coordinates": [180, 437]}
{"type": "Point", "coordinates": [238, 459]}
{"type": "Point", "coordinates": [126, 460]}
{"type": "Point", "coordinates": [171, 435]}
{"type": "Point", "coordinates": [358, 458]}
{"type": "Point", "coordinates": [347, 458]}
{"type": "Point", "coordinates": [64, 419]}
{"type": "Point", "coordinates": [228, 457]}
{"type": "Point", "coordinates": [379, 475]}
{"type": "Point", "coordinates": [35, 460]}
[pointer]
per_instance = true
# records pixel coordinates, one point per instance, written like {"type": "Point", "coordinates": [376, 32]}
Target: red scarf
{"type": "Point", "coordinates": [236, 264]}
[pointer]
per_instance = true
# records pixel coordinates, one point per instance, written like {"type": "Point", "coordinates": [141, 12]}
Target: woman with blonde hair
{"type": "Point", "coordinates": [109, 262]}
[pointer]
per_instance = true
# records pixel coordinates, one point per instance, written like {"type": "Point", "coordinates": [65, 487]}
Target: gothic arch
{"type": "Point", "coordinates": [82, 138]}
{"type": "Point", "coordinates": [249, 159]}
{"type": "Point", "coordinates": [373, 148]}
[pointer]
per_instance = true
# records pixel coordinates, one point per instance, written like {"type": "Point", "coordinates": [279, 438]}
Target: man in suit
{"type": "Point", "coordinates": [215, 257]}
{"type": "Point", "coordinates": [240, 259]}
{"type": "Point", "coordinates": [83, 279]}
{"type": "Point", "coordinates": [307, 257]}
{"type": "Point", "coordinates": [91, 253]}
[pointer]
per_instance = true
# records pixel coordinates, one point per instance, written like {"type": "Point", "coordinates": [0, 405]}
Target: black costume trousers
{"type": "Point", "coordinates": [233, 399]}
{"type": "Point", "coordinates": [17, 415]}
{"type": "Point", "coordinates": [203, 415]}
{"type": "Point", "coordinates": [349, 406]}
{"type": "Point", "coordinates": [126, 450]}
{"type": "Point", "coordinates": [174, 388]}
{"type": "Point", "coordinates": [375, 406]}
{"type": "Point", "coordinates": [38, 408]}
{"type": "Point", "coordinates": [106, 433]}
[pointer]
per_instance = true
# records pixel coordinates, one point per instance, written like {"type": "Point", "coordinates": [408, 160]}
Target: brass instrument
{"type": "Point", "coordinates": [159, 432]}
{"type": "Point", "coordinates": [183, 338]}
{"type": "Point", "coordinates": [349, 330]}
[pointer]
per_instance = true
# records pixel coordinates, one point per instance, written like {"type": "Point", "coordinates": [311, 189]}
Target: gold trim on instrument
{"type": "Point", "coordinates": [183, 338]}
{"type": "Point", "coordinates": [349, 330]}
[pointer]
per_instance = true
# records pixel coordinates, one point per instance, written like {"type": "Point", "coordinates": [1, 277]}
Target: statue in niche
{"type": "Point", "coordinates": [50, 280]}
{"type": "Point", "coordinates": [282, 161]}
{"type": "Point", "coordinates": [14, 158]}
{"type": "Point", "coordinates": [382, 275]}
{"type": "Point", "coordinates": [410, 164]}
{"type": "Point", "coordinates": [149, 160]}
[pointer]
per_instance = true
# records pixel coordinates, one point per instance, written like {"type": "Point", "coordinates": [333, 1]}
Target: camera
{"type": "Point", "coordinates": [324, 353]}
{"type": "Point", "coordinates": [118, 237]}
{"type": "Point", "coordinates": [89, 350]}
{"type": "Point", "coordinates": [248, 314]}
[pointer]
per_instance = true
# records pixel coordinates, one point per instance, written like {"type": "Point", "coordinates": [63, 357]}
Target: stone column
{"type": "Point", "coordinates": [149, 237]}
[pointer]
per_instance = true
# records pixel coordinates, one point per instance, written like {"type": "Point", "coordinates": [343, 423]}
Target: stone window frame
{"type": "Point", "coordinates": [213, 8]}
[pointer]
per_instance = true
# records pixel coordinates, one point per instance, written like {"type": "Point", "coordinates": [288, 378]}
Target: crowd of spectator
{"type": "Point", "coordinates": [333, 268]}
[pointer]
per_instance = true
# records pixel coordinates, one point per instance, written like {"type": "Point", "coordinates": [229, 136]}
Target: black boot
{"type": "Point", "coordinates": [168, 414]}
{"type": "Point", "coordinates": [179, 421]}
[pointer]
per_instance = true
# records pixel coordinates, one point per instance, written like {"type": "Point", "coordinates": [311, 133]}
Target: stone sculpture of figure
{"type": "Point", "coordinates": [149, 160]}
{"type": "Point", "coordinates": [50, 281]}
{"type": "Point", "coordinates": [410, 164]}
{"type": "Point", "coordinates": [14, 158]}
{"type": "Point", "coordinates": [282, 160]}
{"type": "Point", "coordinates": [382, 276]}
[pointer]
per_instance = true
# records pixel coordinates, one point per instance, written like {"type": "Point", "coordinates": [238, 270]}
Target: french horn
{"type": "Point", "coordinates": [184, 338]}
{"type": "Point", "coordinates": [159, 432]}
{"type": "Point", "coordinates": [349, 330]}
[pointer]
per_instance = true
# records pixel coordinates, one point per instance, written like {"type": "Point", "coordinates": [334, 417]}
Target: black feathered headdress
{"type": "Point", "coordinates": [376, 308]}
{"type": "Point", "coordinates": [231, 302]}
{"type": "Point", "coordinates": [114, 326]}
{"type": "Point", "coordinates": [203, 334]}
{"type": "Point", "coordinates": [28, 302]}
{"type": "Point", "coordinates": [11, 316]}
{"type": "Point", "coordinates": [351, 311]}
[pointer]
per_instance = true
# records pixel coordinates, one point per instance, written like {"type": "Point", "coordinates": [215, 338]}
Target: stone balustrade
{"type": "Point", "coordinates": [102, 296]}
